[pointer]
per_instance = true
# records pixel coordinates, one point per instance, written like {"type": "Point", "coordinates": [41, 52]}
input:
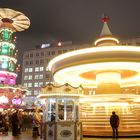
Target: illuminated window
{"type": "Point", "coordinates": [47, 68]}
{"type": "Point", "coordinates": [30, 77]}
{"type": "Point", "coordinates": [30, 69]}
{"type": "Point", "coordinates": [41, 76]}
{"type": "Point", "coordinates": [47, 82]}
{"type": "Point", "coordinates": [35, 84]}
{"type": "Point", "coordinates": [25, 84]}
{"type": "Point", "coordinates": [26, 70]}
{"type": "Point", "coordinates": [29, 93]}
{"type": "Point", "coordinates": [40, 84]}
{"type": "Point", "coordinates": [41, 68]}
{"type": "Point", "coordinates": [66, 105]}
{"type": "Point", "coordinates": [36, 69]}
{"type": "Point", "coordinates": [29, 84]}
{"type": "Point", "coordinates": [36, 76]}
{"type": "Point", "coordinates": [25, 77]}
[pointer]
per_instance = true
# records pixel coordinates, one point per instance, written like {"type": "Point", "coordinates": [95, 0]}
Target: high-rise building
{"type": "Point", "coordinates": [35, 71]}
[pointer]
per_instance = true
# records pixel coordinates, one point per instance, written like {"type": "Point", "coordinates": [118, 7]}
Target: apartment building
{"type": "Point", "coordinates": [35, 71]}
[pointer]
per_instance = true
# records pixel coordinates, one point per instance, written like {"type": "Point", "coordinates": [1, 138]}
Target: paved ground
{"type": "Point", "coordinates": [23, 136]}
{"type": "Point", "coordinates": [28, 136]}
{"type": "Point", "coordinates": [111, 139]}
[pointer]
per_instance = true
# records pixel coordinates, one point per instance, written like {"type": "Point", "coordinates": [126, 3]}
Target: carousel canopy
{"type": "Point", "coordinates": [66, 90]}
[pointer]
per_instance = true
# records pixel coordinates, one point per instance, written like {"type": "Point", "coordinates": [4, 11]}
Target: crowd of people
{"type": "Point", "coordinates": [19, 121]}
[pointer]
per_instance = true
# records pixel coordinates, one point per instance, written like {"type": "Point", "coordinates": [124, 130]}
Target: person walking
{"type": "Point", "coordinates": [114, 122]}
{"type": "Point", "coordinates": [36, 123]}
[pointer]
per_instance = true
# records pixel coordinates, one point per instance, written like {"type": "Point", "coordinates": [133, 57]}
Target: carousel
{"type": "Point", "coordinates": [10, 21]}
{"type": "Point", "coordinates": [110, 73]}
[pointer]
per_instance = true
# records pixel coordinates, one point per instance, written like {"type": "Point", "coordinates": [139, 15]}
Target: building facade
{"type": "Point", "coordinates": [35, 72]}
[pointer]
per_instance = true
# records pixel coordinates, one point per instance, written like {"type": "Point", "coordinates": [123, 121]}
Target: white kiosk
{"type": "Point", "coordinates": [61, 112]}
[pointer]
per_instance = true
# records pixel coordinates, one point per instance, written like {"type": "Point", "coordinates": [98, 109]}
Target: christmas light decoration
{"type": "Point", "coordinates": [10, 21]}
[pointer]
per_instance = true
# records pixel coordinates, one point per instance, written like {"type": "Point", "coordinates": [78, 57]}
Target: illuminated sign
{"type": "Point", "coordinates": [16, 101]}
{"type": "Point", "coordinates": [46, 45]}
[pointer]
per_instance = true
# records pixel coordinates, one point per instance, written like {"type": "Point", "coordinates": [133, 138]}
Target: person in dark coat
{"type": "Point", "coordinates": [15, 123]}
{"type": "Point", "coordinates": [114, 122]}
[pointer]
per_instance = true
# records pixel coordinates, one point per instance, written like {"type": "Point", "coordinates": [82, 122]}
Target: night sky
{"type": "Point", "coordinates": [74, 20]}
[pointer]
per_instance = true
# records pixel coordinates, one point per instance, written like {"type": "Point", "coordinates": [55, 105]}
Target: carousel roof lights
{"type": "Point", "coordinates": [106, 39]}
{"type": "Point", "coordinates": [59, 95]}
{"type": "Point", "coordinates": [52, 85]}
{"type": "Point", "coordinates": [66, 90]}
{"type": "Point", "coordinates": [65, 75]}
{"type": "Point", "coordinates": [93, 50]}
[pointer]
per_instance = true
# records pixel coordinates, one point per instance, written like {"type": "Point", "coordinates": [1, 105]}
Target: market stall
{"type": "Point", "coordinates": [61, 112]}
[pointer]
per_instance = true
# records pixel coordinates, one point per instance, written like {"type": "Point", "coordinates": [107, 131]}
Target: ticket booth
{"type": "Point", "coordinates": [61, 112]}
